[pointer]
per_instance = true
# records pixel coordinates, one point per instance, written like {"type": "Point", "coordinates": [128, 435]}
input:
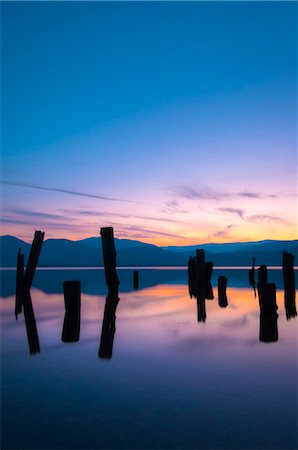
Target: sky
{"type": "Point", "coordinates": [173, 122]}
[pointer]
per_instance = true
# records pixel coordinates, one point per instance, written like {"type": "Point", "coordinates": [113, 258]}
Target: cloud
{"type": "Point", "coordinates": [238, 212]}
{"type": "Point", "coordinates": [121, 215]}
{"type": "Point", "coordinates": [65, 191]}
{"type": "Point", "coordinates": [267, 218]}
{"type": "Point", "coordinates": [173, 207]}
{"type": "Point", "coordinates": [28, 213]}
{"type": "Point", "coordinates": [222, 233]}
{"type": "Point", "coordinates": [206, 193]}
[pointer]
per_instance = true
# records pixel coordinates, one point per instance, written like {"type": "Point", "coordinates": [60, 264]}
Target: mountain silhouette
{"type": "Point", "coordinates": [130, 253]}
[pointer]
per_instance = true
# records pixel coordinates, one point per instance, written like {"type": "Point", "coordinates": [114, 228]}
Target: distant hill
{"type": "Point", "coordinates": [88, 253]}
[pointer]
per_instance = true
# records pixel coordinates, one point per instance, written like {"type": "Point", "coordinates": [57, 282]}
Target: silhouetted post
{"type": "Point", "coordinates": [109, 258]}
{"type": "Point", "coordinates": [136, 279]}
{"type": "Point", "coordinates": [222, 294]}
{"type": "Point", "coordinates": [268, 329]}
{"type": "Point", "coordinates": [108, 328]}
{"type": "Point", "coordinates": [30, 323]}
{"type": "Point", "coordinates": [288, 270]}
{"type": "Point", "coordinates": [289, 285]}
{"type": "Point", "coordinates": [72, 318]}
{"type": "Point", "coordinates": [32, 260]}
{"type": "Point", "coordinates": [200, 273]}
{"type": "Point", "coordinates": [19, 283]}
{"type": "Point", "coordinates": [262, 274]}
{"type": "Point", "coordinates": [267, 299]}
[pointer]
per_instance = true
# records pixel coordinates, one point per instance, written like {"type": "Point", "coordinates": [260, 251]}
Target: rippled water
{"type": "Point", "coordinates": [172, 382]}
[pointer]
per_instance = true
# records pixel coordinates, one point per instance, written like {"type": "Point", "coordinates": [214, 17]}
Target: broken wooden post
{"type": "Point", "coordinates": [222, 294]}
{"type": "Point", "coordinates": [136, 279]}
{"type": "Point", "coordinates": [32, 260]}
{"type": "Point", "coordinates": [72, 318]}
{"type": "Point", "coordinates": [289, 285]}
{"type": "Point", "coordinates": [30, 323]}
{"type": "Point", "coordinates": [108, 328]}
{"type": "Point", "coordinates": [109, 258]}
{"type": "Point", "coordinates": [200, 273]}
{"type": "Point", "coordinates": [262, 274]}
{"type": "Point", "coordinates": [19, 283]}
{"type": "Point", "coordinates": [288, 270]}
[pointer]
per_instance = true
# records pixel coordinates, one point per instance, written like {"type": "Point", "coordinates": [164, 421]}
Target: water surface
{"type": "Point", "coordinates": [171, 382]}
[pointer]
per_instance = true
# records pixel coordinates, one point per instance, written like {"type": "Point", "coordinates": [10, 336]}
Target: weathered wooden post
{"type": "Point", "coordinates": [262, 274]}
{"type": "Point", "coordinates": [200, 271]}
{"type": "Point", "coordinates": [109, 258]}
{"type": "Point", "coordinates": [288, 270]}
{"type": "Point", "coordinates": [108, 328]}
{"type": "Point", "coordinates": [19, 283]}
{"type": "Point", "coordinates": [30, 323]}
{"type": "Point", "coordinates": [222, 294]}
{"type": "Point", "coordinates": [289, 285]}
{"type": "Point", "coordinates": [32, 260]}
{"type": "Point", "coordinates": [136, 279]}
{"type": "Point", "coordinates": [72, 318]}
{"type": "Point", "coordinates": [268, 312]}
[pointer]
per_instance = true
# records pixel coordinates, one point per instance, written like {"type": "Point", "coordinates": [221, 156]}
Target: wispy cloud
{"type": "Point", "coordinates": [200, 192]}
{"type": "Point", "coordinates": [173, 207]}
{"type": "Point", "coordinates": [267, 218]}
{"type": "Point", "coordinates": [238, 212]}
{"type": "Point", "coordinates": [90, 213]}
{"type": "Point", "coordinates": [65, 191]}
{"type": "Point", "coordinates": [222, 233]}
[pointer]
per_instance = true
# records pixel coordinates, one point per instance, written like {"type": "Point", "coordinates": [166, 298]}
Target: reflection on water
{"type": "Point", "coordinates": [166, 373]}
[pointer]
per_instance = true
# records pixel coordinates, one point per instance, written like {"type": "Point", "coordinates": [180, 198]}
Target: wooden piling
{"type": "Point", "coordinates": [109, 258]}
{"type": "Point", "coordinates": [262, 274]}
{"type": "Point", "coordinates": [19, 283]}
{"type": "Point", "coordinates": [136, 279]}
{"type": "Point", "coordinates": [288, 270]}
{"type": "Point", "coordinates": [201, 309]}
{"type": "Point", "coordinates": [32, 260]}
{"type": "Point", "coordinates": [222, 294]}
{"type": "Point", "coordinates": [208, 286]}
{"type": "Point", "coordinates": [72, 318]}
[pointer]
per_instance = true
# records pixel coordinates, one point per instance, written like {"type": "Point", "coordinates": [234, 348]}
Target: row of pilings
{"type": "Point", "coordinates": [199, 283]}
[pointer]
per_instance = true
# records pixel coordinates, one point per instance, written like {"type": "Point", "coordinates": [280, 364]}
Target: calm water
{"type": "Point", "coordinates": [172, 382]}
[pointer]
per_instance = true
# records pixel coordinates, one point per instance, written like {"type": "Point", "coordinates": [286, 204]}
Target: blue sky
{"type": "Point", "coordinates": [186, 112]}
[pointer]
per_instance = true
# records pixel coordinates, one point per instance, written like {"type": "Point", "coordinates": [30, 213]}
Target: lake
{"type": "Point", "coordinates": [171, 382]}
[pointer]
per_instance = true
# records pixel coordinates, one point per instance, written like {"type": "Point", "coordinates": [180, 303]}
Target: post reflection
{"type": "Point", "coordinates": [30, 323]}
{"type": "Point", "coordinates": [108, 327]}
